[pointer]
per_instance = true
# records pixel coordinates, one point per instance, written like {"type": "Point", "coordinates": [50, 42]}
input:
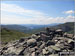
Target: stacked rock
{"type": "Point", "coordinates": [45, 43]}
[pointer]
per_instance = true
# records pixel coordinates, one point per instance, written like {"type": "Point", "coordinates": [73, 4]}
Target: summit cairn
{"type": "Point", "coordinates": [45, 43]}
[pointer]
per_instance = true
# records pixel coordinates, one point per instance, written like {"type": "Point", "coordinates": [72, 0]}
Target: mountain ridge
{"type": "Point", "coordinates": [68, 26]}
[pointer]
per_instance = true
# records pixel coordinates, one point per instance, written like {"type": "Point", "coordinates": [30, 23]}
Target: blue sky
{"type": "Point", "coordinates": [36, 12]}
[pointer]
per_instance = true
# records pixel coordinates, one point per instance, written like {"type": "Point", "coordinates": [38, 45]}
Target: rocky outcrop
{"type": "Point", "coordinates": [48, 43]}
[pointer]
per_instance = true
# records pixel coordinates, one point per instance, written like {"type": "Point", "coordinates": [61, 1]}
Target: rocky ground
{"type": "Point", "coordinates": [46, 43]}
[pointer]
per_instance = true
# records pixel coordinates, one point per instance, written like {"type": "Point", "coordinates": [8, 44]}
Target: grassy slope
{"type": "Point", "coordinates": [8, 35]}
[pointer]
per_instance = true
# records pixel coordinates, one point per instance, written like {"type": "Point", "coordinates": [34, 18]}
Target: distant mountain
{"type": "Point", "coordinates": [66, 27]}
{"type": "Point", "coordinates": [36, 26]}
{"type": "Point", "coordinates": [27, 28]}
{"type": "Point", "coordinates": [16, 27]}
{"type": "Point", "coordinates": [33, 28]}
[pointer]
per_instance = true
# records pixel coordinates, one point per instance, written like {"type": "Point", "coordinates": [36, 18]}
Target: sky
{"type": "Point", "coordinates": [37, 12]}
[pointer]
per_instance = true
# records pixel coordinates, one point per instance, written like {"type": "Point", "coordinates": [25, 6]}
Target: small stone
{"type": "Point", "coordinates": [33, 54]}
{"type": "Point", "coordinates": [44, 52]}
{"type": "Point", "coordinates": [31, 42]}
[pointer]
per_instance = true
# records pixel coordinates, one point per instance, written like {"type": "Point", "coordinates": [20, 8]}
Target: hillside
{"type": "Point", "coordinates": [67, 27]}
{"type": "Point", "coordinates": [16, 27]}
{"type": "Point", "coordinates": [8, 35]}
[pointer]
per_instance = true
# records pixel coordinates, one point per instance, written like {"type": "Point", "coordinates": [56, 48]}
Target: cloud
{"type": "Point", "coordinates": [34, 16]}
{"type": "Point", "coordinates": [69, 12]}
{"type": "Point", "coordinates": [17, 20]}
{"type": "Point", "coordinates": [13, 8]}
